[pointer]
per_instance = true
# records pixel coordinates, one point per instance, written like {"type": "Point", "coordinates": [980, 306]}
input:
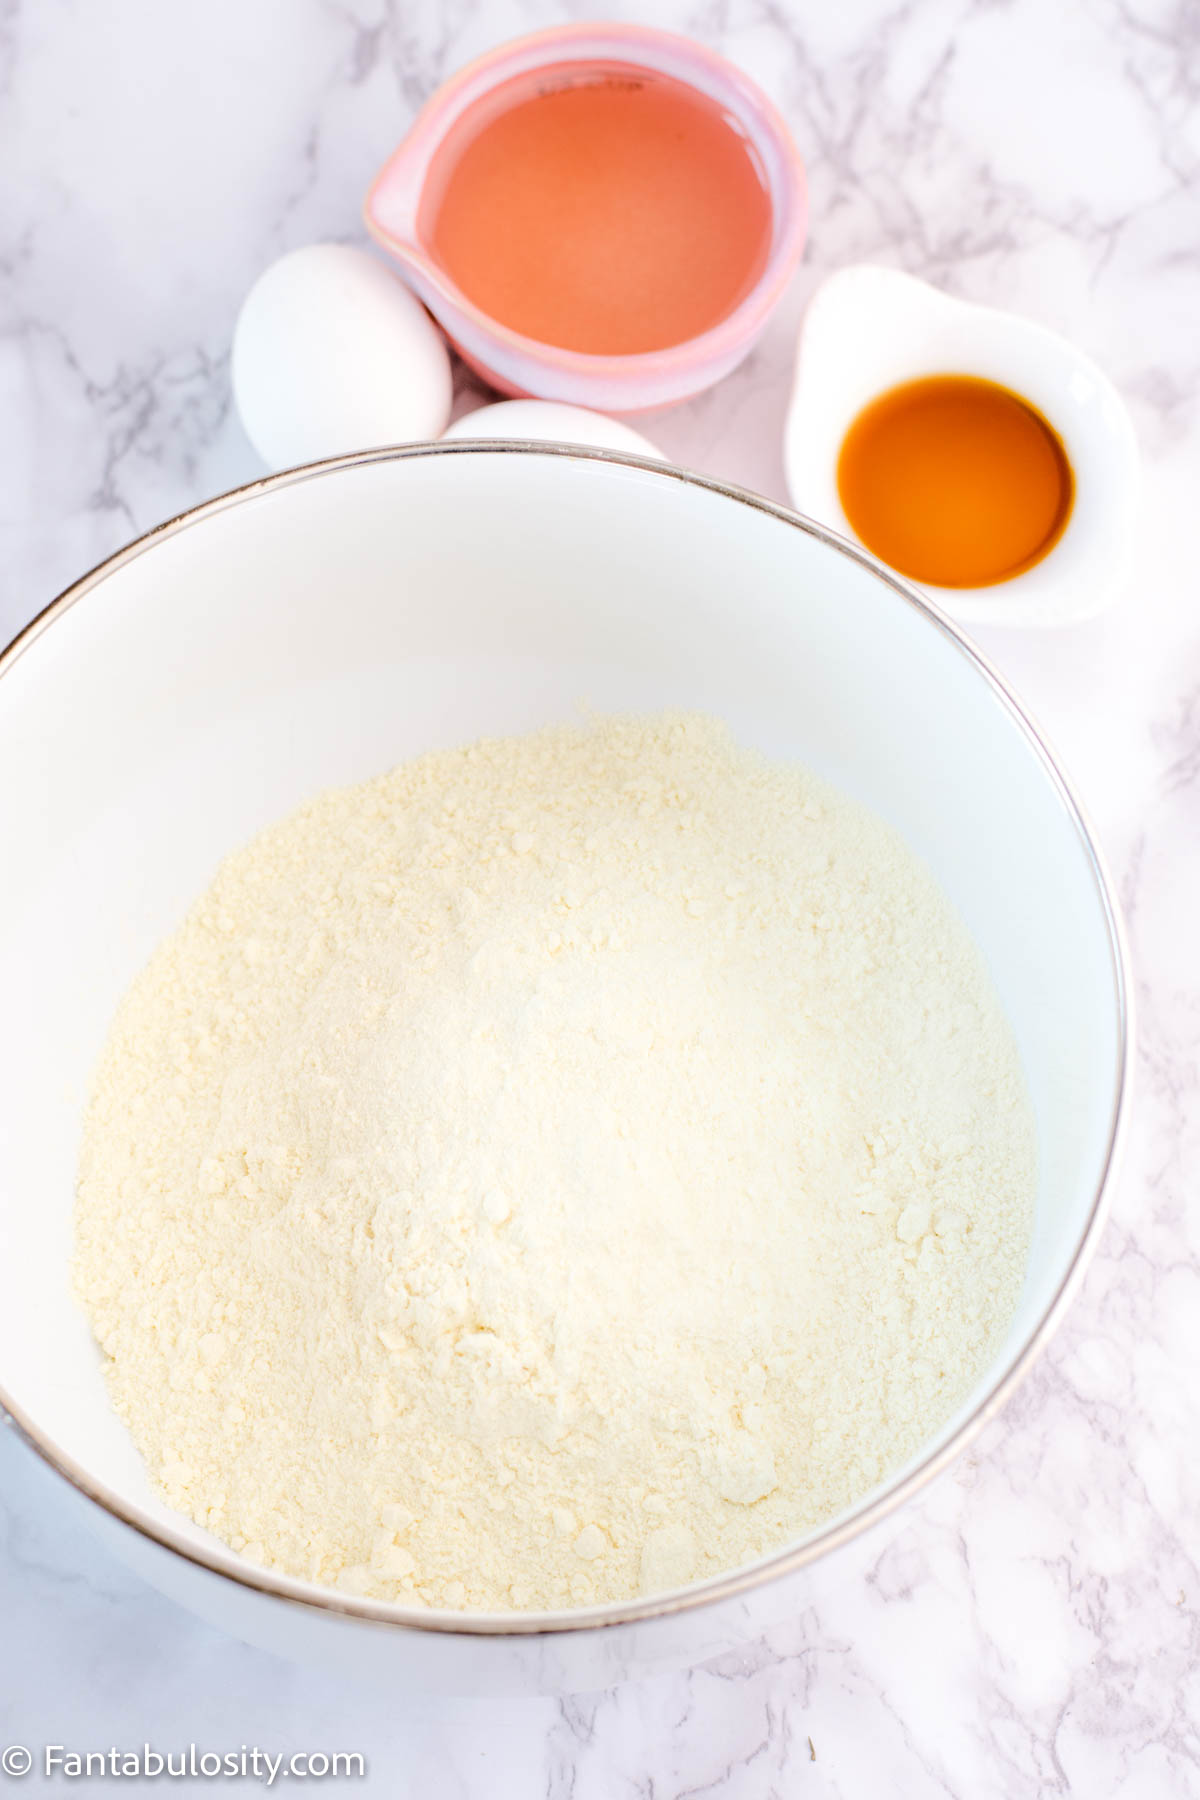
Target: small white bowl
{"type": "Point", "coordinates": [868, 329]}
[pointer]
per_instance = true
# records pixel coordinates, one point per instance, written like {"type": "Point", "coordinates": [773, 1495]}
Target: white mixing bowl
{"type": "Point", "coordinates": [325, 623]}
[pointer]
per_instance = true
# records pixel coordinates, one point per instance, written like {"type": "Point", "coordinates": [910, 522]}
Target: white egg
{"type": "Point", "coordinates": [550, 421]}
{"type": "Point", "coordinates": [332, 353]}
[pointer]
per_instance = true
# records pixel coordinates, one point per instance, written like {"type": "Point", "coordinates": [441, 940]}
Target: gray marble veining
{"type": "Point", "coordinates": [1032, 1628]}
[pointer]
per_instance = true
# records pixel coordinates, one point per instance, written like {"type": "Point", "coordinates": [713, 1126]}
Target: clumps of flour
{"type": "Point", "coordinates": [557, 1170]}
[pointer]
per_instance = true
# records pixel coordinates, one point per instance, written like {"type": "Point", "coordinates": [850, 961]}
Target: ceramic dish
{"type": "Point", "coordinates": [519, 365]}
{"type": "Point", "coordinates": [867, 329]}
{"type": "Point", "coordinates": [323, 624]}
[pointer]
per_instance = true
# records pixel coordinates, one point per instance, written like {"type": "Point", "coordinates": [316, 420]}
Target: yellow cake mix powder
{"type": "Point", "coordinates": [557, 1170]}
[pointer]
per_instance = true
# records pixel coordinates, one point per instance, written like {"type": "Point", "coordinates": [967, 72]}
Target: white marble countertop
{"type": "Point", "coordinates": [1033, 1629]}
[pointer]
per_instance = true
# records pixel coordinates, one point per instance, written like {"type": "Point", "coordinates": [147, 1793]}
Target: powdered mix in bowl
{"type": "Point", "coordinates": [557, 1170]}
